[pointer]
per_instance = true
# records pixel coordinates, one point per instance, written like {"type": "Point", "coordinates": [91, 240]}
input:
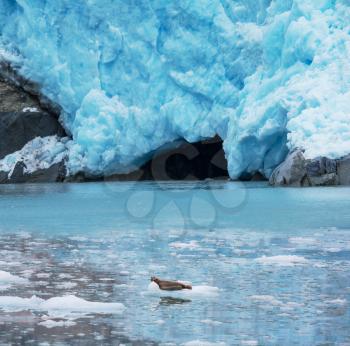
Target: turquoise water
{"type": "Point", "coordinates": [276, 262]}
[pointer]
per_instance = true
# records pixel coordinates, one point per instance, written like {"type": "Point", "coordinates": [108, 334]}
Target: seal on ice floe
{"type": "Point", "coordinates": [170, 285]}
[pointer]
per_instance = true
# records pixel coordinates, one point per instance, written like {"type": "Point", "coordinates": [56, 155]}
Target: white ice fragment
{"type": "Point", "coordinates": [8, 278]}
{"type": "Point", "coordinates": [65, 304]}
{"type": "Point", "coordinates": [55, 324]}
{"type": "Point", "coordinates": [191, 245]}
{"type": "Point", "coordinates": [66, 285]}
{"type": "Point", "coordinates": [211, 322]}
{"type": "Point", "coordinates": [203, 343]}
{"type": "Point", "coordinates": [282, 260]}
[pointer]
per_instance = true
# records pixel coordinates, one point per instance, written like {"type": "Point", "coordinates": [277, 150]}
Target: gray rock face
{"type": "Point", "coordinates": [26, 89]}
{"type": "Point", "coordinates": [343, 168]}
{"type": "Point", "coordinates": [55, 173]}
{"type": "Point", "coordinates": [329, 179]}
{"type": "Point", "coordinates": [321, 171]}
{"type": "Point", "coordinates": [320, 166]}
{"type": "Point", "coordinates": [291, 172]}
{"type": "Point", "coordinates": [14, 99]}
{"type": "Point", "coordinates": [18, 128]}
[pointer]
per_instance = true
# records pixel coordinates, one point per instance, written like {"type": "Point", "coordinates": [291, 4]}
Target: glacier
{"type": "Point", "coordinates": [267, 76]}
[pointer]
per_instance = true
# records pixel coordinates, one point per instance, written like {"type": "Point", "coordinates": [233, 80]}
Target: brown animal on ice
{"type": "Point", "coordinates": [170, 285]}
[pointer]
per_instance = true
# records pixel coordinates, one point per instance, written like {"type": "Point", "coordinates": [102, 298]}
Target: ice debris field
{"type": "Point", "coordinates": [130, 77]}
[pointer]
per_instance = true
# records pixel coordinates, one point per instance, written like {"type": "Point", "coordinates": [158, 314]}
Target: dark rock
{"type": "Point", "coordinates": [18, 128]}
{"type": "Point", "coordinates": [3, 177]}
{"type": "Point", "coordinates": [9, 75]}
{"type": "Point", "coordinates": [291, 172]}
{"type": "Point", "coordinates": [330, 179]}
{"type": "Point", "coordinates": [14, 99]}
{"type": "Point", "coordinates": [321, 171]}
{"type": "Point", "coordinates": [55, 173]}
{"type": "Point", "coordinates": [343, 168]}
{"type": "Point", "coordinates": [320, 166]}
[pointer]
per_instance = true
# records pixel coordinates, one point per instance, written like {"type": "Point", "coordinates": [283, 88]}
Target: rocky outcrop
{"type": "Point", "coordinates": [24, 93]}
{"type": "Point", "coordinates": [15, 99]}
{"type": "Point", "coordinates": [23, 118]}
{"type": "Point", "coordinates": [55, 173]}
{"type": "Point", "coordinates": [295, 170]}
{"type": "Point", "coordinates": [18, 128]}
{"type": "Point", "coordinates": [343, 170]}
{"type": "Point", "coordinates": [291, 172]}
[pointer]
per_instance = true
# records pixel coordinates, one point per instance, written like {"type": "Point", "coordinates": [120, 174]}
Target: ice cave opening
{"type": "Point", "coordinates": [183, 161]}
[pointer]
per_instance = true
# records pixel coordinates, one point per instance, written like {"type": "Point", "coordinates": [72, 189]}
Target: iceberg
{"type": "Point", "coordinates": [266, 76]}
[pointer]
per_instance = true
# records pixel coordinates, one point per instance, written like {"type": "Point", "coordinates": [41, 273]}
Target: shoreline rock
{"type": "Point", "coordinates": [24, 117]}
{"type": "Point", "coordinates": [297, 171]}
{"type": "Point", "coordinates": [54, 174]}
{"type": "Point", "coordinates": [19, 128]}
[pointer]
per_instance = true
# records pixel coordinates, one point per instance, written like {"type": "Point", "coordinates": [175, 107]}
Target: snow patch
{"type": "Point", "coordinates": [30, 109]}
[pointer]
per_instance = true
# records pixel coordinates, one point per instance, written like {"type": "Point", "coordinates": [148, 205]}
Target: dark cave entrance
{"type": "Point", "coordinates": [184, 161]}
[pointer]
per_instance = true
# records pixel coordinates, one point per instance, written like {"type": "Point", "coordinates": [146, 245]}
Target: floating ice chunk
{"type": "Point", "coordinates": [337, 302]}
{"type": "Point", "coordinates": [65, 304]}
{"type": "Point", "coordinates": [302, 240]}
{"type": "Point", "coordinates": [203, 343]}
{"type": "Point", "coordinates": [192, 245]}
{"type": "Point", "coordinates": [78, 238]}
{"type": "Point", "coordinates": [55, 324]}
{"type": "Point", "coordinates": [43, 275]}
{"type": "Point", "coordinates": [8, 278]}
{"type": "Point", "coordinates": [282, 260]}
{"type": "Point", "coordinates": [211, 322]}
{"type": "Point", "coordinates": [266, 299]}
{"type": "Point", "coordinates": [66, 285]}
{"type": "Point", "coordinates": [196, 292]}
{"type": "Point", "coordinates": [250, 342]}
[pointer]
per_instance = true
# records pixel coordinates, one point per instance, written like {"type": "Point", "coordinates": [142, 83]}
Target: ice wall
{"type": "Point", "coordinates": [132, 76]}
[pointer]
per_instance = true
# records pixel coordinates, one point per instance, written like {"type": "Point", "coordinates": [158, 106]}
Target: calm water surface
{"type": "Point", "coordinates": [269, 266]}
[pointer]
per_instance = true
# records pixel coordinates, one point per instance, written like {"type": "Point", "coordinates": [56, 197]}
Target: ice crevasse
{"type": "Point", "coordinates": [131, 76]}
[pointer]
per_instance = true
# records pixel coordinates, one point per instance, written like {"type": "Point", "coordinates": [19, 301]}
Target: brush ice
{"type": "Point", "coordinates": [282, 260]}
{"type": "Point", "coordinates": [7, 280]}
{"type": "Point", "coordinates": [65, 304]}
{"type": "Point", "coordinates": [6, 277]}
{"type": "Point", "coordinates": [266, 76]}
{"type": "Point", "coordinates": [203, 343]}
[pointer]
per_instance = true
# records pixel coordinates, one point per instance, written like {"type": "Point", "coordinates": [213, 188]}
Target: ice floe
{"type": "Point", "coordinates": [196, 292]}
{"type": "Point", "coordinates": [66, 304]}
{"type": "Point", "coordinates": [282, 260]}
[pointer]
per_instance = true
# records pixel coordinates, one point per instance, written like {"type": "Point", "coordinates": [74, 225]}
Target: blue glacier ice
{"type": "Point", "coordinates": [131, 76]}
